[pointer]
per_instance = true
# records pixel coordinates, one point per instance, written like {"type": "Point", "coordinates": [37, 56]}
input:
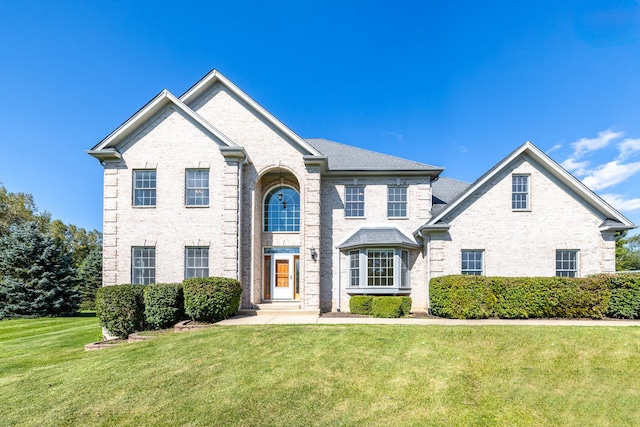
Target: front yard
{"type": "Point", "coordinates": [321, 375]}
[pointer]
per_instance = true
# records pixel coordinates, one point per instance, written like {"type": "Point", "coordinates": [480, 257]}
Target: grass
{"type": "Point", "coordinates": [321, 375]}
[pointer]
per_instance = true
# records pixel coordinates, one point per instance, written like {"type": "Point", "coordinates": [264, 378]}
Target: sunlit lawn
{"type": "Point", "coordinates": [321, 375]}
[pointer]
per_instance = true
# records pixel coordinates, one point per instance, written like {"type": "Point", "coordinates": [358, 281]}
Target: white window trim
{"type": "Point", "coordinates": [264, 198]}
{"type": "Point", "coordinates": [187, 188]}
{"type": "Point", "coordinates": [528, 192]}
{"type": "Point", "coordinates": [364, 200]}
{"type": "Point", "coordinates": [406, 202]}
{"type": "Point", "coordinates": [482, 262]}
{"type": "Point", "coordinates": [363, 266]}
{"type": "Point", "coordinates": [577, 270]}
{"type": "Point", "coordinates": [134, 188]}
{"type": "Point", "coordinates": [186, 266]}
{"type": "Point", "coordinates": [133, 267]}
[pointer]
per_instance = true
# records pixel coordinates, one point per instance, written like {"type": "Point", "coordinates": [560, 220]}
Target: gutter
{"type": "Point", "coordinates": [339, 278]}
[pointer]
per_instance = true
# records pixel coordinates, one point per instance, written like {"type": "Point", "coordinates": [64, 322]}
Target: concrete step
{"type": "Point", "coordinates": [278, 307]}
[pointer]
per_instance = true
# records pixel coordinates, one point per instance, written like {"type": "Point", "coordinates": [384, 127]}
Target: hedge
{"type": "Point", "coordinates": [382, 306]}
{"type": "Point", "coordinates": [121, 309]}
{"type": "Point", "coordinates": [480, 297]}
{"type": "Point", "coordinates": [210, 299]}
{"type": "Point", "coordinates": [164, 305]}
{"type": "Point", "coordinates": [360, 304]}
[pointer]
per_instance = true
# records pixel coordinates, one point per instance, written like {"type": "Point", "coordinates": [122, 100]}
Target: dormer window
{"type": "Point", "coordinates": [520, 192]}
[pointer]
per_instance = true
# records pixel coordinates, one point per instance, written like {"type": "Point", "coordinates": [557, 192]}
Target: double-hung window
{"type": "Point", "coordinates": [354, 201]}
{"type": "Point", "coordinates": [396, 201]}
{"type": "Point", "coordinates": [520, 192]}
{"type": "Point", "coordinates": [197, 187]}
{"type": "Point", "coordinates": [144, 187]}
{"type": "Point", "coordinates": [143, 265]}
{"type": "Point", "coordinates": [567, 263]}
{"type": "Point", "coordinates": [196, 261]}
{"type": "Point", "coordinates": [472, 262]}
{"type": "Point", "coordinates": [381, 268]}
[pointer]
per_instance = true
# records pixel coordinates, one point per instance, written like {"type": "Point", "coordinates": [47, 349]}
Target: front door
{"type": "Point", "coordinates": [281, 276]}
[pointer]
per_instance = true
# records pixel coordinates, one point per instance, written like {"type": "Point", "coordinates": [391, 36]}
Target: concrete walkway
{"type": "Point", "coordinates": [311, 319]}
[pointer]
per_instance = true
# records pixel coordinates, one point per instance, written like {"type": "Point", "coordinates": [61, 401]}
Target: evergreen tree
{"type": "Point", "coordinates": [90, 278]}
{"type": "Point", "coordinates": [36, 276]}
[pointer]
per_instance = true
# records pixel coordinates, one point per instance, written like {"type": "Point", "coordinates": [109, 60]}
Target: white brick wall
{"type": "Point", "coordinates": [523, 243]}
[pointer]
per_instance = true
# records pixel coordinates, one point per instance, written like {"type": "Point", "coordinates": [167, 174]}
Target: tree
{"type": "Point", "coordinates": [90, 273]}
{"type": "Point", "coordinates": [36, 276]}
{"type": "Point", "coordinates": [628, 252]}
{"type": "Point", "coordinates": [18, 208]}
{"type": "Point", "coordinates": [76, 241]}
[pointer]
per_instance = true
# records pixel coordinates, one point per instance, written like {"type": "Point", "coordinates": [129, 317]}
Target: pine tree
{"type": "Point", "coordinates": [36, 276]}
{"type": "Point", "coordinates": [90, 277]}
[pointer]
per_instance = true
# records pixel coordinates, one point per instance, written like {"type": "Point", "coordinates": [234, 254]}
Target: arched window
{"type": "Point", "coordinates": [282, 210]}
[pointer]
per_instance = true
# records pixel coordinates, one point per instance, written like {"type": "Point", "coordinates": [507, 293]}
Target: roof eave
{"type": "Point", "coordinates": [379, 245]}
{"type": "Point", "coordinates": [106, 155]}
{"type": "Point", "coordinates": [384, 172]}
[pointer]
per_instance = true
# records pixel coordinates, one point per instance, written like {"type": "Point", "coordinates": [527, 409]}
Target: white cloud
{"type": "Point", "coordinates": [609, 174]}
{"type": "Point", "coordinates": [619, 202]}
{"type": "Point", "coordinates": [554, 148]}
{"type": "Point", "coordinates": [577, 168]}
{"type": "Point", "coordinates": [587, 145]}
{"type": "Point", "coordinates": [628, 148]}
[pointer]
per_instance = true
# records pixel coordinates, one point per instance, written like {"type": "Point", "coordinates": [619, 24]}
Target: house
{"type": "Point", "coordinates": [212, 184]}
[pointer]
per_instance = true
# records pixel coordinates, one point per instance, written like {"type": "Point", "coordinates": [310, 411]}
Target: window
{"type": "Point", "coordinates": [197, 187]}
{"type": "Point", "coordinates": [567, 263]}
{"type": "Point", "coordinates": [520, 192]}
{"type": "Point", "coordinates": [472, 263]}
{"type": "Point", "coordinates": [144, 187]}
{"type": "Point", "coordinates": [396, 202]}
{"type": "Point", "coordinates": [282, 210]}
{"type": "Point", "coordinates": [354, 269]}
{"type": "Point", "coordinates": [143, 265]}
{"type": "Point", "coordinates": [196, 262]}
{"type": "Point", "coordinates": [378, 268]}
{"type": "Point", "coordinates": [354, 201]}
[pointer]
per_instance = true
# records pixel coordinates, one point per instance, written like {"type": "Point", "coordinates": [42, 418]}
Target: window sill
{"type": "Point", "coordinates": [397, 217]}
{"type": "Point", "coordinates": [521, 210]}
{"type": "Point", "coordinates": [143, 206]}
{"type": "Point", "coordinates": [355, 217]}
{"type": "Point", "coordinates": [378, 290]}
{"type": "Point", "coordinates": [196, 206]}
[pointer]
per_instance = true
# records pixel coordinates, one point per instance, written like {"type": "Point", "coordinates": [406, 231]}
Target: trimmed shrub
{"type": "Point", "coordinates": [387, 307]}
{"type": "Point", "coordinates": [210, 299]}
{"type": "Point", "coordinates": [360, 304]}
{"type": "Point", "coordinates": [405, 305]}
{"type": "Point", "coordinates": [121, 309]}
{"type": "Point", "coordinates": [164, 304]}
{"type": "Point", "coordinates": [470, 297]}
{"type": "Point", "coordinates": [625, 295]}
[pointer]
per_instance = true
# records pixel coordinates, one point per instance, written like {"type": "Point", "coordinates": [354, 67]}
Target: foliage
{"type": "Point", "coordinates": [405, 305]}
{"type": "Point", "coordinates": [628, 253]}
{"type": "Point", "coordinates": [36, 277]}
{"type": "Point", "coordinates": [76, 241]}
{"type": "Point", "coordinates": [121, 309]}
{"type": "Point", "coordinates": [321, 375]}
{"type": "Point", "coordinates": [90, 274]}
{"type": "Point", "coordinates": [625, 295]}
{"type": "Point", "coordinates": [360, 304]}
{"type": "Point", "coordinates": [164, 305]}
{"type": "Point", "coordinates": [386, 307]}
{"type": "Point", "coordinates": [476, 297]}
{"type": "Point", "coordinates": [211, 299]}
{"type": "Point", "coordinates": [17, 209]}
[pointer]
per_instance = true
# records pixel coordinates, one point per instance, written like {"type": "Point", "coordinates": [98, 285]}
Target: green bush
{"type": "Point", "coordinates": [360, 304]}
{"type": "Point", "coordinates": [405, 305]}
{"type": "Point", "coordinates": [211, 299]}
{"type": "Point", "coordinates": [164, 305]}
{"type": "Point", "coordinates": [121, 309]}
{"type": "Point", "coordinates": [625, 295]}
{"type": "Point", "coordinates": [387, 307]}
{"type": "Point", "coordinates": [473, 297]}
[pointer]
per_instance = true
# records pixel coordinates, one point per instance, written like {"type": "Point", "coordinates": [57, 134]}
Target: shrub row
{"type": "Point", "coordinates": [480, 297]}
{"type": "Point", "coordinates": [125, 309]}
{"type": "Point", "coordinates": [383, 306]}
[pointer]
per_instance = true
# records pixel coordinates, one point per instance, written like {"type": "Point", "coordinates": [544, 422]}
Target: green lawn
{"type": "Point", "coordinates": [321, 375]}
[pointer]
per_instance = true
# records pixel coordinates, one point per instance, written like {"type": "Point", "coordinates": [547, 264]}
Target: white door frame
{"type": "Point", "coordinates": [282, 293]}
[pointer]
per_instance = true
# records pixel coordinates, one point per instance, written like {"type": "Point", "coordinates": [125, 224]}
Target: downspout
{"type": "Point", "coordinates": [339, 278]}
{"type": "Point", "coordinates": [427, 253]}
{"type": "Point", "coordinates": [239, 232]}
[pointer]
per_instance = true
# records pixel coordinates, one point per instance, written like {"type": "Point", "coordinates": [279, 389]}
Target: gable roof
{"type": "Point", "coordinates": [343, 157]}
{"type": "Point", "coordinates": [614, 220]}
{"type": "Point", "coordinates": [443, 191]}
{"type": "Point", "coordinates": [215, 77]}
{"type": "Point", "coordinates": [378, 236]}
{"type": "Point", "coordinates": [107, 147]}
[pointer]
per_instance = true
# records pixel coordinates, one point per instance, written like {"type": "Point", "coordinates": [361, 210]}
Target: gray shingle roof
{"type": "Point", "coordinates": [382, 236]}
{"type": "Point", "coordinates": [444, 191]}
{"type": "Point", "coordinates": [347, 157]}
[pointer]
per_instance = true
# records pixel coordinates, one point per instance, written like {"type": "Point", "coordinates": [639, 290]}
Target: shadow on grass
{"type": "Point", "coordinates": [85, 314]}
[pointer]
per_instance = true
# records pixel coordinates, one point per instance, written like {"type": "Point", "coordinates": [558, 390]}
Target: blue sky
{"type": "Point", "coordinates": [454, 84]}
